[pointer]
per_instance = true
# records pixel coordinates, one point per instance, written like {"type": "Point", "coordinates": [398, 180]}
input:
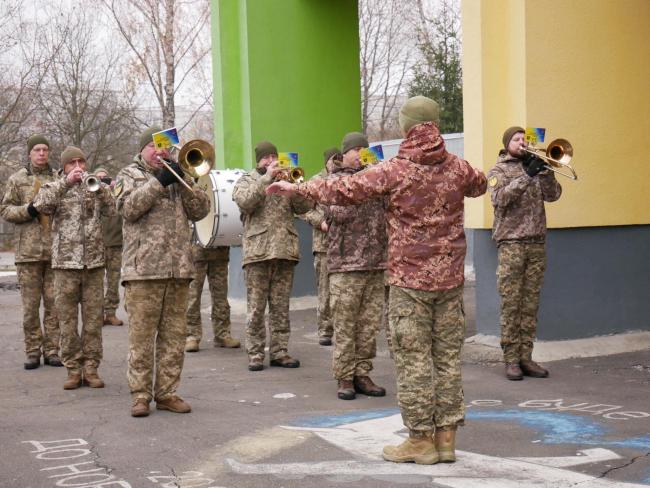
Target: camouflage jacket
{"type": "Point", "coordinates": [425, 188]}
{"type": "Point", "coordinates": [518, 200]}
{"type": "Point", "coordinates": [357, 234]}
{"type": "Point", "coordinates": [219, 253]}
{"type": "Point", "coordinates": [33, 237]}
{"type": "Point", "coordinates": [269, 230]}
{"type": "Point", "coordinates": [157, 236]}
{"type": "Point", "coordinates": [77, 237]}
{"type": "Point", "coordinates": [112, 228]}
{"type": "Point", "coordinates": [315, 217]}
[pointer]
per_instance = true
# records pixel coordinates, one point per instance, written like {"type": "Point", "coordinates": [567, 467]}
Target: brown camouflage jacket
{"type": "Point", "coordinates": [33, 237]}
{"type": "Point", "coordinates": [425, 188]}
{"type": "Point", "coordinates": [219, 253]}
{"type": "Point", "coordinates": [357, 237]}
{"type": "Point", "coordinates": [315, 217]}
{"type": "Point", "coordinates": [518, 200]}
{"type": "Point", "coordinates": [269, 229]}
{"type": "Point", "coordinates": [77, 237]}
{"type": "Point", "coordinates": [157, 236]}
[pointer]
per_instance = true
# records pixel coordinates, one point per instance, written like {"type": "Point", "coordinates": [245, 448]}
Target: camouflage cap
{"type": "Point", "coordinates": [263, 149]}
{"type": "Point", "coordinates": [147, 135]}
{"type": "Point", "coordinates": [36, 139]}
{"type": "Point", "coordinates": [418, 110]}
{"type": "Point", "coordinates": [509, 134]}
{"type": "Point", "coordinates": [352, 140]}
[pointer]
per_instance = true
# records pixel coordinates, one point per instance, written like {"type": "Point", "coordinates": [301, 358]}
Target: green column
{"type": "Point", "coordinates": [286, 71]}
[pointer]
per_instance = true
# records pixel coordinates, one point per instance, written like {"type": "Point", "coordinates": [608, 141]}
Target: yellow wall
{"type": "Point", "coordinates": [580, 69]}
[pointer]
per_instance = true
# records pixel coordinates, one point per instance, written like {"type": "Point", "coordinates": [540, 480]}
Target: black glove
{"type": "Point", "coordinates": [32, 210]}
{"type": "Point", "coordinates": [166, 177]}
{"type": "Point", "coordinates": [532, 164]}
{"type": "Point", "coordinates": [106, 180]}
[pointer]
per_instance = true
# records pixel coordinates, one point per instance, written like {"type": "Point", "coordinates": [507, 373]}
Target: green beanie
{"type": "Point", "coordinates": [70, 153]}
{"type": "Point", "coordinates": [509, 134]}
{"type": "Point", "coordinates": [100, 170]}
{"type": "Point", "coordinates": [263, 149]}
{"type": "Point", "coordinates": [418, 110]}
{"type": "Point", "coordinates": [352, 140]}
{"type": "Point", "coordinates": [147, 136]}
{"type": "Point", "coordinates": [36, 139]}
{"type": "Point", "coordinates": [330, 152]}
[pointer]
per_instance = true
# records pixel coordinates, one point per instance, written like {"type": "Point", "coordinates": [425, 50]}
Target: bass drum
{"type": "Point", "coordinates": [222, 226]}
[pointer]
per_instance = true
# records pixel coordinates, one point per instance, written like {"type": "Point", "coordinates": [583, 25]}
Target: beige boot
{"type": "Point", "coordinates": [91, 378]}
{"type": "Point", "coordinates": [74, 380]}
{"type": "Point", "coordinates": [229, 342]}
{"type": "Point", "coordinates": [191, 345]}
{"type": "Point", "coordinates": [418, 448]}
{"type": "Point", "coordinates": [445, 439]}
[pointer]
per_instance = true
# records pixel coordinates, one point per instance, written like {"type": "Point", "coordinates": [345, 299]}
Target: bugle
{"type": "Point", "coordinates": [557, 154]}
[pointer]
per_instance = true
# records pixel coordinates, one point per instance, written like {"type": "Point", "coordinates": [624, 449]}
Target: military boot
{"type": "Point", "coordinates": [419, 448]}
{"type": "Point", "coordinates": [531, 368]}
{"type": "Point", "coordinates": [513, 372]}
{"type": "Point", "coordinates": [191, 345]}
{"type": "Point", "coordinates": [91, 378]}
{"type": "Point", "coordinates": [325, 341]}
{"type": "Point", "coordinates": [140, 407]}
{"type": "Point", "coordinates": [346, 390]}
{"type": "Point", "coordinates": [112, 320]}
{"type": "Point", "coordinates": [53, 360]}
{"type": "Point", "coordinates": [228, 342]}
{"type": "Point", "coordinates": [445, 440]}
{"type": "Point", "coordinates": [364, 385]}
{"type": "Point", "coordinates": [174, 404]}
{"type": "Point", "coordinates": [33, 361]}
{"type": "Point", "coordinates": [74, 380]}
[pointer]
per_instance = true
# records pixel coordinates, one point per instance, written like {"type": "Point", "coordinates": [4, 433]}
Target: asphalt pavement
{"type": "Point", "coordinates": [588, 424]}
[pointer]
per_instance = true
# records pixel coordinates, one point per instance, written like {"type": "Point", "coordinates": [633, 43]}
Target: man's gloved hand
{"type": "Point", "coordinates": [166, 177]}
{"type": "Point", "coordinates": [32, 210]}
{"type": "Point", "coordinates": [532, 164]}
{"type": "Point", "coordinates": [107, 180]}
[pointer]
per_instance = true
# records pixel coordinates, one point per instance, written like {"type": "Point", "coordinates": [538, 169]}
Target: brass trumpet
{"type": "Point", "coordinates": [292, 175]}
{"type": "Point", "coordinates": [557, 154]}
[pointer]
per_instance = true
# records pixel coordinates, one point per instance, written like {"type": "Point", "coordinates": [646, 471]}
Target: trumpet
{"type": "Point", "coordinates": [195, 158]}
{"type": "Point", "coordinates": [557, 154]}
{"type": "Point", "coordinates": [90, 181]}
{"type": "Point", "coordinates": [293, 175]}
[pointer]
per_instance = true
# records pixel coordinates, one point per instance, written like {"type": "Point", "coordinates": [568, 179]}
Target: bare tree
{"type": "Point", "coordinates": [167, 41]}
{"type": "Point", "coordinates": [387, 47]}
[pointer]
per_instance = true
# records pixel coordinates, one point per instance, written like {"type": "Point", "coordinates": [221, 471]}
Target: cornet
{"type": "Point", "coordinates": [293, 175]}
{"type": "Point", "coordinates": [557, 154]}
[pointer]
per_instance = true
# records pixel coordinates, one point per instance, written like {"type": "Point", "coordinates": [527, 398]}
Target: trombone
{"type": "Point", "coordinates": [195, 158]}
{"type": "Point", "coordinates": [557, 154]}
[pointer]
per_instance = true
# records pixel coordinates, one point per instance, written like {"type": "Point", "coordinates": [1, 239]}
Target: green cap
{"type": "Point", "coordinates": [328, 153]}
{"type": "Point", "coordinates": [147, 136]}
{"type": "Point", "coordinates": [352, 140]}
{"type": "Point", "coordinates": [509, 134]}
{"type": "Point", "coordinates": [70, 153]}
{"type": "Point", "coordinates": [263, 149]}
{"type": "Point", "coordinates": [418, 110]}
{"type": "Point", "coordinates": [36, 139]}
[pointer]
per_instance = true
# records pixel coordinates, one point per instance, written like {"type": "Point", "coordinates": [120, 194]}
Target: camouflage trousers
{"type": "Point", "coordinates": [36, 280]}
{"type": "Point", "coordinates": [323, 312]}
{"type": "Point", "coordinates": [357, 300]}
{"type": "Point", "coordinates": [268, 281]}
{"type": "Point", "coordinates": [217, 274]}
{"type": "Point", "coordinates": [75, 288]}
{"type": "Point", "coordinates": [113, 259]}
{"type": "Point", "coordinates": [428, 329]}
{"type": "Point", "coordinates": [520, 275]}
{"type": "Point", "coordinates": [157, 330]}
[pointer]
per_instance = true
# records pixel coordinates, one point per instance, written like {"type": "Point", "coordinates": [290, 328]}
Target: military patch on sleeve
{"type": "Point", "coordinates": [492, 182]}
{"type": "Point", "coordinates": [117, 190]}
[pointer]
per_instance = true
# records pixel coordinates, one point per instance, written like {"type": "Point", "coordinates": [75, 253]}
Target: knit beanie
{"type": "Point", "coordinates": [101, 170]}
{"type": "Point", "coordinates": [36, 139]}
{"type": "Point", "coordinates": [330, 152]}
{"type": "Point", "coordinates": [147, 136]}
{"type": "Point", "coordinates": [70, 153]}
{"type": "Point", "coordinates": [509, 134]}
{"type": "Point", "coordinates": [418, 110]}
{"type": "Point", "coordinates": [352, 140]}
{"type": "Point", "coordinates": [263, 149]}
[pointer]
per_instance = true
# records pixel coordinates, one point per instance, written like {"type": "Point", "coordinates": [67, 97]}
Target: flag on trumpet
{"type": "Point", "coordinates": [288, 159]}
{"type": "Point", "coordinates": [166, 138]}
{"type": "Point", "coordinates": [534, 135]}
{"type": "Point", "coordinates": [371, 155]}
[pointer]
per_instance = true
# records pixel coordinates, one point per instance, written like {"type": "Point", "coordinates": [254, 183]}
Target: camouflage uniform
{"type": "Point", "coordinates": [315, 218]}
{"type": "Point", "coordinates": [157, 270]}
{"type": "Point", "coordinates": [213, 264]}
{"type": "Point", "coordinates": [356, 257]}
{"type": "Point", "coordinates": [112, 227]}
{"type": "Point", "coordinates": [425, 187]}
{"type": "Point", "coordinates": [33, 242]}
{"type": "Point", "coordinates": [78, 263]}
{"type": "Point", "coordinates": [270, 252]}
{"type": "Point", "coordinates": [520, 230]}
